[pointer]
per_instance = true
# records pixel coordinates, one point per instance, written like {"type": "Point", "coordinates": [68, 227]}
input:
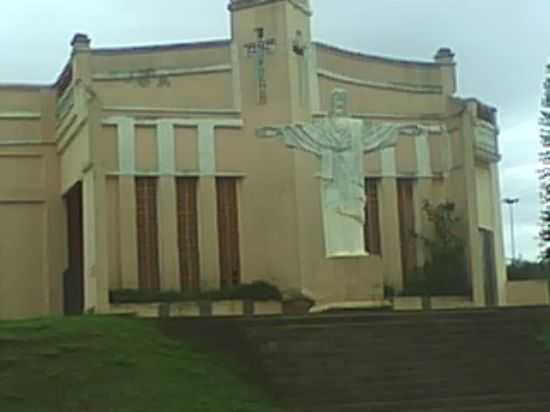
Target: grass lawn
{"type": "Point", "coordinates": [110, 364]}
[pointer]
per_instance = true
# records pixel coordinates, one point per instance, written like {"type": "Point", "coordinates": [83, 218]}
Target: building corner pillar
{"type": "Point", "coordinates": [96, 281]}
{"type": "Point", "coordinates": [473, 238]}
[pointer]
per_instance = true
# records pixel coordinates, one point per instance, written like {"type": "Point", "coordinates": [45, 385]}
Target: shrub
{"type": "Point", "coordinates": [525, 270]}
{"type": "Point", "coordinates": [261, 291]}
{"type": "Point", "coordinates": [445, 272]}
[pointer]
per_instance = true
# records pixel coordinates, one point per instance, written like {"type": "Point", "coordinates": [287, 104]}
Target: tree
{"type": "Point", "coordinates": [545, 162]}
{"type": "Point", "coordinates": [445, 271]}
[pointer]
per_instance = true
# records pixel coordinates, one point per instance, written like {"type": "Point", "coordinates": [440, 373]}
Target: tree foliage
{"type": "Point", "coordinates": [445, 272]}
{"type": "Point", "coordinates": [545, 162]}
{"type": "Point", "coordinates": [526, 270]}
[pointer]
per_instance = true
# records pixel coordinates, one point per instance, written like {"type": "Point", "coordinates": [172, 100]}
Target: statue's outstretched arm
{"type": "Point", "coordinates": [297, 136]}
{"type": "Point", "coordinates": [384, 135]}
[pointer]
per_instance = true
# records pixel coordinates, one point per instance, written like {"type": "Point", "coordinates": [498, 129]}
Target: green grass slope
{"type": "Point", "coordinates": [112, 364]}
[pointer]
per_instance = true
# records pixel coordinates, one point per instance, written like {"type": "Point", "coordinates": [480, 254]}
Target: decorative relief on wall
{"type": "Point", "coordinates": [299, 45]}
{"type": "Point", "coordinates": [341, 142]}
{"type": "Point", "coordinates": [148, 78]}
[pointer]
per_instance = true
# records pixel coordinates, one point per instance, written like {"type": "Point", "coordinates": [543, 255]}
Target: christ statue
{"type": "Point", "coordinates": [341, 143]}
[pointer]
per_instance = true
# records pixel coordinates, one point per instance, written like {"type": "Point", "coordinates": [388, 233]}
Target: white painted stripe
{"type": "Point", "coordinates": [30, 142]}
{"type": "Point", "coordinates": [207, 149]}
{"type": "Point", "coordinates": [20, 115]}
{"type": "Point", "coordinates": [389, 167]}
{"type": "Point", "coordinates": [166, 141]}
{"type": "Point", "coordinates": [126, 145]}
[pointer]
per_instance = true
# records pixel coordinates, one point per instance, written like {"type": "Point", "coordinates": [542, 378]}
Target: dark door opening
{"type": "Point", "coordinates": [405, 193]}
{"type": "Point", "coordinates": [489, 267]}
{"type": "Point", "coordinates": [228, 231]}
{"type": "Point", "coordinates": [73, 278]}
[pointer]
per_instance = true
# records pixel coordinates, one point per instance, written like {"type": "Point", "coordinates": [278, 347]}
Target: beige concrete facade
{"type": "Point", "coordinates": [192, 110]}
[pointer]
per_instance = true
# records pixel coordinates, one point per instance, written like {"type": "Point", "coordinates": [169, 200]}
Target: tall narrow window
{"type": "Point", "coordinates": [405, 189]}
{"type": "Point", "coordinates": [188, 239]}
{"type": "Point", "coordinates": [228, 231]}
{"type": "Point", "coordinates": [147, 233]}
{"type": "Point", "coordinates": [372, 218]}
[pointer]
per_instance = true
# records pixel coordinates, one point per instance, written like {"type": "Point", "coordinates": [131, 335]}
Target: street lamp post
{"type": "Point", "coordinates": [511, 202]}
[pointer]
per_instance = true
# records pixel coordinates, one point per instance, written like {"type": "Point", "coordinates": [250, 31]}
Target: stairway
{"type": "Point", "coordinates": [486, 360]}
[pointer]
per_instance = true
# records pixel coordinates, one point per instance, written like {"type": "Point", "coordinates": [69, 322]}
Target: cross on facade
{"type": "Point", "coordinates": [259, 49]}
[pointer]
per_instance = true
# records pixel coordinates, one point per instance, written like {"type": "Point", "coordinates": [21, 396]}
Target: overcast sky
{"type": "Point", "coordinates": [501, 48]}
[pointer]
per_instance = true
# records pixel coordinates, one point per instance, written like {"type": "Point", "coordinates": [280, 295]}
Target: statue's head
{"type": "Point", "coordinates": [339, 103]}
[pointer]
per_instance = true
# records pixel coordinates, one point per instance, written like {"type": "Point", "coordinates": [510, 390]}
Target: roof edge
{"type": "Point", "coordinates": [25, 87]}
{"type": "Point", "coordinates": [371, 57]}
{"type": "Point", "coordinates": [163, 47]}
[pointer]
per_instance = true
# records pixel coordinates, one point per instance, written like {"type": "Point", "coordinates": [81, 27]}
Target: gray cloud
{"type": "Point", "coordinates": [501, 49]}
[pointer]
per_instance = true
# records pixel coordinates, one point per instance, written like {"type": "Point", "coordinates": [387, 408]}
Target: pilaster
{"type": "Point", "coordinates": [389, 221]}
{"type": "Point", "coordinates": [96, 282]}
{"type": "Point", "coordinates": [389, 228]}
{"type": "Point", "coordinates": [168, 234]}
{"type": "Point", "coordinates": [208, 233]}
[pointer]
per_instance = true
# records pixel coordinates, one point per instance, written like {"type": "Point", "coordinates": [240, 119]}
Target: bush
{"type": "Point", "coordinates": [445, 273]}
{"type": "Point", "coordinates": [525, 270]}
{"type": "Point", "coordinates": [260, 291]}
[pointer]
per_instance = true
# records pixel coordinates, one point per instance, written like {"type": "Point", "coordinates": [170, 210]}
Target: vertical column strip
{"type": "Point", "coordinates": [207, 149]}
{"type": "Point", "coordinates": [389, 167]}
{"type": "Point", "coordinates": [423, 155]}
{"type": "Point", "coordinates": [168, 234]}
{"type": "Point", "coordinates": [126, 145]}
{"type": "Point", "coordinates": [166, 148]}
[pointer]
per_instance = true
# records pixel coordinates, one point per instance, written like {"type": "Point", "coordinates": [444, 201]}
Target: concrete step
{"type": "Point", "coordinates": [484, 402]}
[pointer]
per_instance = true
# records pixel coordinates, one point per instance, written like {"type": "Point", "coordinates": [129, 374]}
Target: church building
{"type": "Point", "coordinates": [266, 156]}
